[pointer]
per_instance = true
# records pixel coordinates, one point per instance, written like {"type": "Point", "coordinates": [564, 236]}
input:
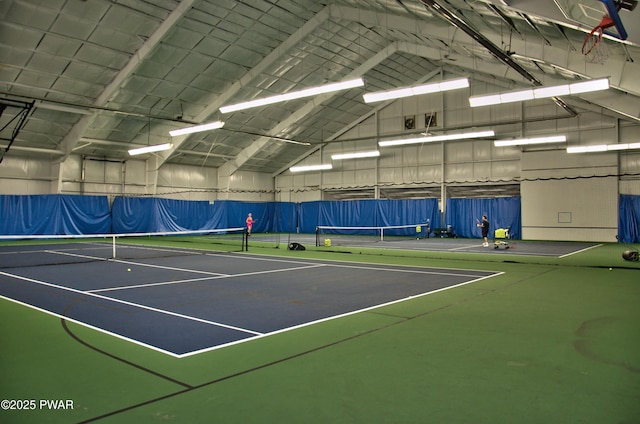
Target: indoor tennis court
{"type": "Point", "coordinates": [198, 302]}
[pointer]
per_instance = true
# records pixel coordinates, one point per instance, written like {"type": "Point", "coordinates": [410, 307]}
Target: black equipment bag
{"type": "Point", "coordinates": [630, 255]}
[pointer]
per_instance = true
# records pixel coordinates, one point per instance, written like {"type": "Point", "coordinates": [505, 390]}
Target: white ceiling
{"type": "Point", "coordinates": [109, 75]}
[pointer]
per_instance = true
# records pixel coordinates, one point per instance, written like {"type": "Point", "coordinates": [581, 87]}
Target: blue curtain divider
{"type": "Point", "coordinates": [367, 213]}
{"type": "Point", "coordinates": [629, 219]}
{"type": "Point", "coordinates": [151, 214]}
{"type": "Point", "coordinates": [59, 214]}
{"type": "Point", "coordinates": [143, 215]}
{"type": "Point", "coordinates": [269, 217]}
{"type": "Point", "coordinates": [54, 214]}
{"type": "Point", "coordinates": [502, 212]}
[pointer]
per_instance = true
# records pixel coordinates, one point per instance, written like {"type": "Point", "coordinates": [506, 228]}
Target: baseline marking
{"type": "Point", "coordinates": [580, 251]}
{"type": "Point", "coordinates": [464, 247]}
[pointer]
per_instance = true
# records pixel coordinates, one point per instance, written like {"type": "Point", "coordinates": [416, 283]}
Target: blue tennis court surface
{"type": "Point", "coordinates": [193, 303]}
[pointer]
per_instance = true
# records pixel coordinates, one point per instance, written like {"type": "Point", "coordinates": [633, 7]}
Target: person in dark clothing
{"type": "Point", "coordinates": [484, 225]}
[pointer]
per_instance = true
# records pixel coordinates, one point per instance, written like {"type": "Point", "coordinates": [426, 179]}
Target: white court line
{"type": "Point", "coordinates": [139, 264]}
{"type": "Point", "coordinates": [162, 283]}
{"type": "Point", "coordinates": [124, 302]}
{"type": "Point", "coordinates": [464, 247]}
{"type": "Point", "coordinates": [256, 335]}
{"type": "Point", "coordinates": [411, 271]}
{"type": "Point", "coordinates": [580, 251]}
{"type": "Point", "coordinates": [306, 324]}
{"type": "Point", "coordinates": [98, 329]}
{"type": "Point", "coordinates": [334, 262]}
{"type": "Point", "coordinates": [215, 277]}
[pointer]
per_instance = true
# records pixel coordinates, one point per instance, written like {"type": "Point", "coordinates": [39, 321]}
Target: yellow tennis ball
{"type": "Point", "coordinates": [128, 269]}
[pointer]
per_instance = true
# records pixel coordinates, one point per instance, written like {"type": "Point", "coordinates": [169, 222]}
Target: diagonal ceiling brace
{"type": "Point", "coordinates": [459, 23]}
{"type": "Point", "coordinates": [20, 117]}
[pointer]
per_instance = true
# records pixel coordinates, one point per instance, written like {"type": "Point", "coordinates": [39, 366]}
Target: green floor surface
{"type": "Point", "coordinates": [539, 343]}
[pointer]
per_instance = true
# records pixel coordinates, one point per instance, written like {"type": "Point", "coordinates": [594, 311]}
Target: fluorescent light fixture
{"type": "Point", "coordinates": [311, 168]}
{"type": "Point", "coordinates": [587, 86]}
{"type": "Point", "coordinates": [524, 141]}
{"type": "Point", "coordinates": [493, 99]}
{"type": "Point", "coordinates": [150, 149]}
{"type": "Point", "coordinates": [357, 155]}
{"type": "Point", "coordinates": [197, 128]}
{"type": "Point", "coordinates": [431, 139]}
{"type": "Point", "coordinates": [516, 96]}
{"type": "Point", "coordinates": [540, 93]}
{"type": "Point", "coordinates": [398, 93]}
{"type": "Point", "coordinates": [603, 148]}
{"type": "Point", "coordinates": [313, 91]}
{"type": "Point", "coordinates": [558, 90]}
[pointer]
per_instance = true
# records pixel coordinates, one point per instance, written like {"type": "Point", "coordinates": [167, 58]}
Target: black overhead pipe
{"type": "Point", "coordinates": [503, 57]}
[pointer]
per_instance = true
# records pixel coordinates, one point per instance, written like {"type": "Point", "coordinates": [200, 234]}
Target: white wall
{"type": "Point", "coordinates": [248, 186]}
{"type": "Point", "coordinates": [559, 205]}
{"type": "Point", "coordinates": [99, 177]}
{"type": "Point", "coordinates": [187, 182]}
{"type": "Point", "coordinates": [20, 175]}
{"type": "Point", "coordinates": [78, 175]}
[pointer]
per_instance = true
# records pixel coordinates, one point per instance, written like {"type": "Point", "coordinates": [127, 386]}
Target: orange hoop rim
{"type": "Point", "coordinates": [596, 34]}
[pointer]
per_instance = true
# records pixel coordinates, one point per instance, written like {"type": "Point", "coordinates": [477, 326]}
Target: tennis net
{"type": "Point", "coordinates": [354, 236]}
{"type": "Point", "coordinates": [28, 251]}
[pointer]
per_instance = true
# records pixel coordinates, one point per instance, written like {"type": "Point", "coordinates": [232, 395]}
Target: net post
{"type": "Point", "coordinates": [381, 234]}
{"type": "Point", "coordinates": [245, 239]}
{"type": "Point", "coordinates": [113, 246]}
{"type": "Point", "coordinates": [317, 236]}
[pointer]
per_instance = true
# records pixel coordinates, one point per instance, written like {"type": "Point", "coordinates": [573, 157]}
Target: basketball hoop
{"type": "Point", "coordinates": [594, 49]}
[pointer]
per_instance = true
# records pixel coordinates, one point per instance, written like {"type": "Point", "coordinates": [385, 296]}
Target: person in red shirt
{"type": "Point", "coordinates": [249, 222]}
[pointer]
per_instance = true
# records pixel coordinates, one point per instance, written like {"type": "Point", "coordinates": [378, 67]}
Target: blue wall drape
{"type": "Point", "coordinates": [502, 212]}
{"type": "Point", "coordinates": [629, 219]}
{"type": "Point", "coordinates": [150, 214]}
{"type": "Point", "coordinates": [59, 214]}
{"type": "Point", "coordinates": [237, 211]}
{"type": "Point", "coordinates": [54, 214]}
{"type": "Point", "coordinates": [144, 215]}
{"type": "Point", "coordinates": [365, 213]}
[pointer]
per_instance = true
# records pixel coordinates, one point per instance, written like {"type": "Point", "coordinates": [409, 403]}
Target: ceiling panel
{"type": "Point", "coordinates": [141, 68]}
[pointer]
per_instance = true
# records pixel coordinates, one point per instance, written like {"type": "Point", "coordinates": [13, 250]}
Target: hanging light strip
{"type": "Point", "coordinates": [398, 93]}
{"type": "Point", "coordinates": [431, 139]}
{"type": "Point", "coordinates": [314, 91]}
{"type": "Point", "coordinates": [603, 148]}
{"type": "Point", "coordinates": [525, 141]}
{"type": "Point", "coordinates": [322, 167]}
{"type": "Point", "coordinates": [540, 93]}
{"type": "Point", "coordinates": [356, 155]}
{"type": "Point", "coordinates": [197, 128]}
{"type": "Point", "coordinates": [150, 149]}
